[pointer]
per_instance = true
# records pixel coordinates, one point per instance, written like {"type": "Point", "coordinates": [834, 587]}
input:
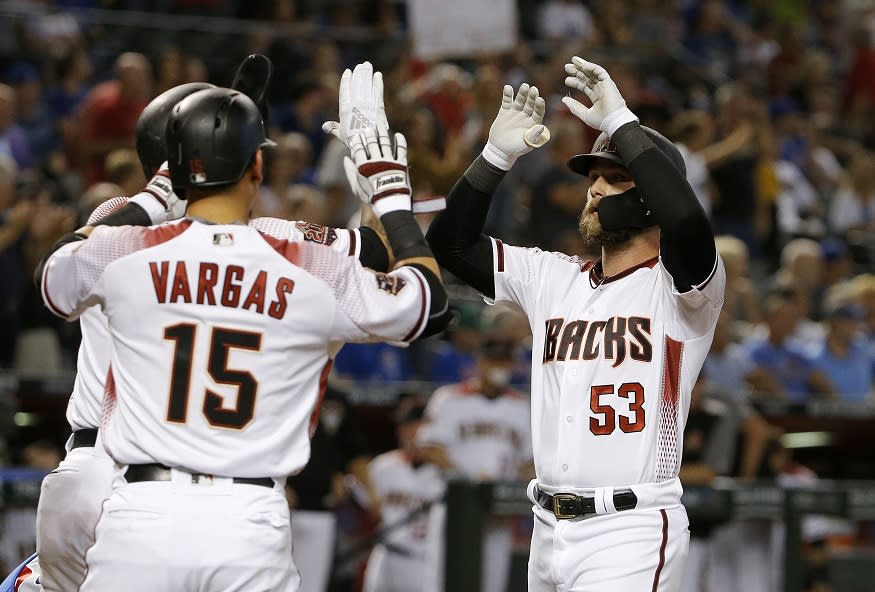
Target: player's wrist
{"type": "Point", "coordinates": [391, 203]}
{"type": "Point", "coordinates": [618, 119]}
{"type": "Point", "coordinates": [498, 157]}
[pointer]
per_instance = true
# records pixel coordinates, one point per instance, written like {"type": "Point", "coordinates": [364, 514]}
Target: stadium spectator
{"type": "Point", "coordinates": [32, 112]}
{"type": "Point", "coordinates": [853, 206]}
{"type": "Point", "coordinates": [844, 356]}
{"type": "Point", "coordinates": [742, 300]}
{"type": "Point", "coordinates": [123, 169]}
{"type": "Point", "coordinates": [565, 20]}
{"type": "Point", "coordinates": [796, 374]}
{"type": "Point", "coordinates": [109, 113]}
{"type": "Point", "coordinates": [288, 164]}
{"type": "Point", "coordinates": [14, 143]}
{"type": "Point", "coordinates": [730, 367]}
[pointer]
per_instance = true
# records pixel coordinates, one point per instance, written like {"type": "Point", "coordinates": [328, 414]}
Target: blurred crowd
{"type": "Point", "coordinates": [771, 101]}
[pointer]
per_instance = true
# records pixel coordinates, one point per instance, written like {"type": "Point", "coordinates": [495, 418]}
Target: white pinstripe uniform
{"type": "Point", "coordinates": [616, 360]}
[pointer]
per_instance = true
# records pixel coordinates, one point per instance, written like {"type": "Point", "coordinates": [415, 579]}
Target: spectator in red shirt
{"type": "Point", "coordinates": [109, 113]}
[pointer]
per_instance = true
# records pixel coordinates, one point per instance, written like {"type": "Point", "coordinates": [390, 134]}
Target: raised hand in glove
{"type": "Point", "coordinates": [517, 128]}
{"type": "Point", "coordinates": [608, 112]}
{"type": "Point", "coordinates": [377, 171]}
{"type": "Point", "coordinates": [360, 104]}
{"type": "Point", "coordinates": [159, 200]}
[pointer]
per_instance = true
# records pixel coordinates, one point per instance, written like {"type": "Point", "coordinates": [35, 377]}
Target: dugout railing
{"type": "Point", "coordinates": [470, 504]}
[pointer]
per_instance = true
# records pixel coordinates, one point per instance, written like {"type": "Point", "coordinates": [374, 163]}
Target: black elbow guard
{"type": "Point", "coordinates": [439, 314]}
{"type": "Point", "coordinates": [373, 252]}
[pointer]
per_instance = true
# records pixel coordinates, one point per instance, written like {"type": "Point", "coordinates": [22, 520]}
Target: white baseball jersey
{"type": "Point", "coordinates": [223, 336]}
{"type": "Point", "coordinates": [614, 362]}
{"type": "Point", "coordinates": [92, 364]}
{"type": "Point", "coordinates": [403, 489]}
{"type": "Point", "coordinates": [484, 438]}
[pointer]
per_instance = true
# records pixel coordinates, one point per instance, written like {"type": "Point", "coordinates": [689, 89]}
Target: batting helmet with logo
{"type": "Point", "coordinates": [212, 136]}
{"type": "Point", "coordinates": [604, 148]}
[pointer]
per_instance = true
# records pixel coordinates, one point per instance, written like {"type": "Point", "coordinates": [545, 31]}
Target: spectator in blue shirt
{"type": "Point", "coordinates": [844, 356]}
{"type": "Point", "coordinates": [730, 367]}
{"type": "Point", "coordinates": [796, 374]}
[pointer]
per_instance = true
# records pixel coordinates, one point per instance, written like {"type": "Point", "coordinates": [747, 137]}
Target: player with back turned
{"type": "Point", "coordinates": [618, 342]}
{"type": "Point", "coordinates": [245, 322]}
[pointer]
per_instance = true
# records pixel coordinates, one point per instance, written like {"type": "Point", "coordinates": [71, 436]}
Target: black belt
{"type": "Point", "coordinates": [156, 472]}
{"type": "Point", "coordinates": [568, 505]}
{"type": "Point", "coordinates": [84, 438]}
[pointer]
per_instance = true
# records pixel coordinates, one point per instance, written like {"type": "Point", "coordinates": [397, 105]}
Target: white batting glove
{"type": "Point", "coordinates": [377, 171]}
{"type": "Point", "coordinates": [360, 104]}
{"type": "Point", "coordinates": [517, 128]}
{"type": "Point", "coordinates": [159, 200]}
{"type": "Point", "coordinates": [608, 112]}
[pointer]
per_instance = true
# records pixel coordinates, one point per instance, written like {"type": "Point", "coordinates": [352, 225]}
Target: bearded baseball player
{"type": "Point", "coordinates": [618, 342]}
{"type": "Point", "coordinates": [222, 339]}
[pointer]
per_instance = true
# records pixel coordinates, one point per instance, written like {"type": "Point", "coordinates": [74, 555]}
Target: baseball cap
{"type": "Point", "coordinates": [605, 148]}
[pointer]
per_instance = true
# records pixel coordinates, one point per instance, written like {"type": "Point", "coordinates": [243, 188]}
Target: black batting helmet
{"type": "Point", "coordinates": [212, 136]}
{"type": "Point", "coordinates": [604, 148]}
{"type": "Point", "coordinates": [153, 121]}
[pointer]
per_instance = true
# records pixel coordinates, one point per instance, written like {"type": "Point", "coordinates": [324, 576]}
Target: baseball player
{"type": "Point", "coordinates": [618, 342]}
{"type": "Point", "coordinates": [71, 496]}
{"type": "Point", "coordinates": [222, 339]}
{"type": "Point", "coordinates": [407, 486]}
{"type": "Point", "coordinates": [480, 430]}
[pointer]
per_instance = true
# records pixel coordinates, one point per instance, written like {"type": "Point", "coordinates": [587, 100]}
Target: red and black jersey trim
{"type": "Point", "coordinates": [597, 277]}
{"type": "Point", "coordinates": [47, 297]}
{"type": "Point", "coordinates": [499, 256]}
{"type": "Point", "coordinates": [662, 547]}
{"type": "Point", "coordinates": [352, 243]}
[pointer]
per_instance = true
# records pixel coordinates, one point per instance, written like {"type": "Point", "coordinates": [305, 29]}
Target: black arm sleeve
{"type": "Point", "coordinates": [686, 240]}
{"type": "Point", "coordinates": [454, 235]}
{"type": "Point", "coordinates": [373, 252]}
{"type": "Point", "coordinates": [130, 214]}
{"type": "Point", "coordinates": [439, 314]}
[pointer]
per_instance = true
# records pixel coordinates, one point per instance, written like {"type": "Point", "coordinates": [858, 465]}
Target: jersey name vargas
{"type": "Point", "coordinates": [613, 339]}
{"type": "Point", "coordinates": [173, 284]}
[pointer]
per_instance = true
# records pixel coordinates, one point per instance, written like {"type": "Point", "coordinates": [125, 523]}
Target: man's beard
{"type": "Point", "coordinates": [596, 237]}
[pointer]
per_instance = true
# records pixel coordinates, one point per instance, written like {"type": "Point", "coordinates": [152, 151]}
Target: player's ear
{"type": "Point", "coordinates": [257, 169]}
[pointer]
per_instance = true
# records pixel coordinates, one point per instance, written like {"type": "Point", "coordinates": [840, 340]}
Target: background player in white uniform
{"type": "Point", "coordinates": [407, 487]}
{"type": "Point", "coordinates": [618, 342]}
{"type": "Point", "coordinates": [481, 431]}
{"type": "Point", "coordinates": [245, 325]}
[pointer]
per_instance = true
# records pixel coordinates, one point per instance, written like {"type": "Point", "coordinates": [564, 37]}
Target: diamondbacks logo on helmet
{"type": "Point", "coordinates": [605, 146]}
{"type": "Point", "coordinates": [197, 173]}
{"type": "Point", "coordinates": [390, 283]}
{"type": "Point", "coordinates": [317, 233]}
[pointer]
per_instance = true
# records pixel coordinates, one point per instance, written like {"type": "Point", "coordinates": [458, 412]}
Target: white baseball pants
{"type": "Point", "coordinates": [69, 506]}
{"type": "Point", "coordinates": [179, 536]}
{"type": "Point", "coordinates": [629, 550]}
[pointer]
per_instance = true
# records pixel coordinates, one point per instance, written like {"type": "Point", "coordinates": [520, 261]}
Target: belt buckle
{"type": "Point", "coordinates": [557, 506]}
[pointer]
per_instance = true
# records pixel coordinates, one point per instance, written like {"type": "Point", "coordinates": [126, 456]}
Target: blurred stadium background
{"type": "Point", "coordinates": [773, 102]}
